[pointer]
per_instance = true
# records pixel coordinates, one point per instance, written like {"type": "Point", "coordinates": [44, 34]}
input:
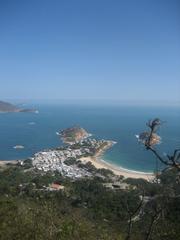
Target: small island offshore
{"type": "Point", "coordinates": [73, 135]}
{"type": "Point", "coordinates": [6, 107]}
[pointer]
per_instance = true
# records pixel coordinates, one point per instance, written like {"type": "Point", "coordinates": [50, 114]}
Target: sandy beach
{"type": "Point", "coordinates": [5, 162]}
{"type": "Point", "coordinates": [98, 162]}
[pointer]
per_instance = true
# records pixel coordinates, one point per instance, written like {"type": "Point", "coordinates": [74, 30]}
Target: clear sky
{"type": "Point", "coordinates": [90, 49]}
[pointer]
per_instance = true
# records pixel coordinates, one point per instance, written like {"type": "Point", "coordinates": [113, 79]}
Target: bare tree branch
{"type": "Point", "coordinates": [153, 221]}
{"type": "Point", "coordinates": [151, 138]}
{"type": "Point", "coordinates": [131, 215]}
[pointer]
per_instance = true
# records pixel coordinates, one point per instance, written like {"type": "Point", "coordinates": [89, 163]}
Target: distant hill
{"type": "Point", "coordinates": [8, 107]}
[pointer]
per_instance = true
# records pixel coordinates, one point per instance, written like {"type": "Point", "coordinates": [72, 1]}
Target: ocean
{"type": "Point", "coordinates": [119, 123]}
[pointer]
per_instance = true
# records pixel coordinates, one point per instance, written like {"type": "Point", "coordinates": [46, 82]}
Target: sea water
{"type": "Point", "coordinates": [118, 123]}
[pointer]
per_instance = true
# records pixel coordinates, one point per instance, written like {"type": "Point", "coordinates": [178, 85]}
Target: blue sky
{"type": "Point", "coordinates": [90, 49]}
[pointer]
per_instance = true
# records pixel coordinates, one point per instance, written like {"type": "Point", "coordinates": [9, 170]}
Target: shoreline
{"type": "Point", "coordinates": [98, 162]}
{"type": "Point", "coordinates": [5, 162]}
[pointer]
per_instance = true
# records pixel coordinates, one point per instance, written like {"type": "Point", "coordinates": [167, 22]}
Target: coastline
{"type": "Point", "coordinates": [5, 162]}
{"type": "Point", "coordinates": [98, 162]}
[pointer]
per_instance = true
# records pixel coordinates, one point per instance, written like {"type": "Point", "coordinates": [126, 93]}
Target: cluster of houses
{"type": "Point", "coordinates": [96, 144]}
{"type": "Point", "coordinates": [54, 161]}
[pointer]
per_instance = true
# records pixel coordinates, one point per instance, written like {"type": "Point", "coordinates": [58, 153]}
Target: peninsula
{"type": "Point", "coordinates": [79, 152]}
{"type": "Point", "coordinates": [6, 107]}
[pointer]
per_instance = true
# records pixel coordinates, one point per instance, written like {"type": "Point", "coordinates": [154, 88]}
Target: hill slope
{"type": "Point", "coordinates": [8, 107]}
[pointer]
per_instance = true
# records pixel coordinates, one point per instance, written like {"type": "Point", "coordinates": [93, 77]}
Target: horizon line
{"type": "Point", "coordinates": [141, 102]}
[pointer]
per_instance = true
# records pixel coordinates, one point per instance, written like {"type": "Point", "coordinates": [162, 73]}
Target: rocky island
{"type": "Point", "coordinates": [73, 135]}
{"type": "Point", "coordinates": [8, 107]}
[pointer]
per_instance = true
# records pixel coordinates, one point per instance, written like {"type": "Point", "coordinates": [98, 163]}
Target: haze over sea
{"type": "Point", "coordinates": [113, 122]}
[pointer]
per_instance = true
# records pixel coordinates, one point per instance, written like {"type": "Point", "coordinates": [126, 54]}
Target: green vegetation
{"type": "Point", "coordinates": [71, 135]}
{"type": "Point", "coordinates": [70, 161]}
{"type": "Point", "coordinates": [85, 209]}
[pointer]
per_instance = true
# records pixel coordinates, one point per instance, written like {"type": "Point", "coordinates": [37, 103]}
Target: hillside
{"type": "Point", "coordinates": [42, 205]}
{"type": "Point", "coordinates": [8, 107]}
